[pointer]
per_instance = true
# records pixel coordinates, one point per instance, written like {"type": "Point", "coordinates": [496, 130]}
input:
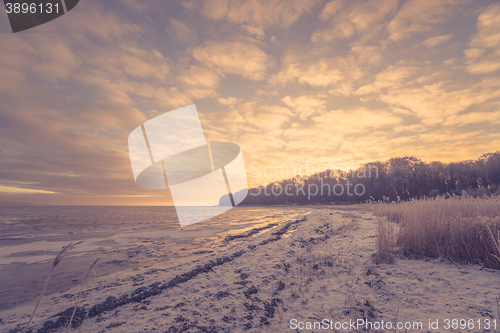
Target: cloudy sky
{"type": "Point", "coordinates": [294, 83]}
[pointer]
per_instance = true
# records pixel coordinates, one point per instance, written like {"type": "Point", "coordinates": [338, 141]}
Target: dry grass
{"type": "Point", "coordinates": [386, 240]}
{"type": "Point", "coordinates": [56, 261]}
{"type": "Point", "coordinates": [463, 229]}
{"type": "Point", "coordinates": [80, 294]}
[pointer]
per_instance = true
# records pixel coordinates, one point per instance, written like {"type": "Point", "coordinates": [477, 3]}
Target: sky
{"type": "Point", "coordinates": [298, 85]}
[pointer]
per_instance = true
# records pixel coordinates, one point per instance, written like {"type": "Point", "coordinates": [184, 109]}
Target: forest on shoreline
{"type": "Point", "coordinates": [399, 178]}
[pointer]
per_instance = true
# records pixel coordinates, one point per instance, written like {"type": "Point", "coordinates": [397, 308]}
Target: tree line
{"type": "Point", "coordinates": [399, 178]}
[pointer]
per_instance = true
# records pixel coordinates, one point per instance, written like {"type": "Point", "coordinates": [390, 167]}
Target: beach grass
{"type": "Point", "coordinates": [80, 294]}
{"type": "Point", "coordinates": [56, 261]}
{"type": "Point", "coordinates": [463, 229]}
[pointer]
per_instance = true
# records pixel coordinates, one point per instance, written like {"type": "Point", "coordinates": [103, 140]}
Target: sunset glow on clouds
{"type": "Point", "coordinates": [329, 83]}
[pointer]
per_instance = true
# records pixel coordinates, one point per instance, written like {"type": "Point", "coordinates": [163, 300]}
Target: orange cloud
{"type": "Point", "coordinates": [436, 40]}
{"type": "Point", "coordinates": [484, 56]}
{"type": "Point", "coordinates": [420, 16]}
{"type": "Point", "coordinates": [238, 58]}
{"type": "Point", "coordinates": [263, 13]}
{"type": "Point", "coordinates": [349, 17]}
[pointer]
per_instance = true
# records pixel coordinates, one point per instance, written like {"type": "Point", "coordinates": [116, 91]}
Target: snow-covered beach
{"type": "Point", "coordinates": [310, 269]}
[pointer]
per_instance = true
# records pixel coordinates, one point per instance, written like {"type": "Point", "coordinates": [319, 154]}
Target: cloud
{"type": "Point", "coordinates": [392, 77]}
{"type": "Point", "coordinates": [484, 55]}
{"type": "Point", "coordinates": [341, 30]}
{"type": "Point", "coordinates": [336, 74]}
{"type": "Point", "coordinates": [489, 65]}
{"type": "Point", "coordinates": [118, 71]}
{"type": "Point", "coordinates": [334, 83]}
{"type": "Point", "coordinates": [339, 138]}
{"type": "Point", "coordinates": [182, 32]}
{"type": "Point", "coordinates": [15, 61]}
{"type": "Point", "coordinates": [49, 57]}
{"type": "Point", "coordinates": [245, 60]}
{"type": "Point", "coordinates": [93, 20]}
{"type": "Point", "coordinates": [347, 18]}
{"type": "Point", "coordinates": [474, 54]}
{"type": "Point", "coordinates": [143, 64]}
{"type": "Point", "coordinates": [122, 62]}
{"type": "Point", "coordinates": [356, 120]}
{"type": "Point", "coordinates": [307, 105]}
{"type": "Point", "coordinates": [331, 9]}
{"type": "Point", "coordinates": [254, 31]}
{"type": "Point", "coordinates": [227, 101]}
{"type": "Point", "coordinates": [22, 190]}
{"type": "Point", "coordinates": [140, 6]}
{"type": "Point", "coordinates": [257, 117]}
{"type": "Point", "coordinates": [434, 103]}
{"type": "Point", "coordinates": [257, 126]}
{"type": "Point", "coordinates": [488, 35]}
{"type": "Point", "coordinates": [56, 59]}
{"type": "Point", "coordinates": [258, 13]}
{"type": "Point", "coordinates": [139, 89]}
{"type": "Point", "coordinates": [417, 16]}
{"type": "Point", "coordinates": [171, 98]}
{"type": "Point", "coordinates": [264, 115]}
{"type": "Point", "coordinates": [215, 9]}
{"type": "Point", "coordinates": [64, 147]}
{"type": "Point", "coordinates": [198, 82]}
{"type": "Point", "coordinates": [432, 42]}
{"type": "Point", "coordinates": [262, 144]}
{"type": "Point", "coordinates": [473, 118]}
{"type": "Point", "coordinates": [366, 54]}
{"type": "Point", "coordinates": [446, 143]}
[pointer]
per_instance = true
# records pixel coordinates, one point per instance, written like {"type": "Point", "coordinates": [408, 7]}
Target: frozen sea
{"type": "Point", "coordinates": [125, 238]}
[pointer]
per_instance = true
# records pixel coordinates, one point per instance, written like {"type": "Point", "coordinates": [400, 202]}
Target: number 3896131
{"type": "Point", "coordinates": [42, 8]}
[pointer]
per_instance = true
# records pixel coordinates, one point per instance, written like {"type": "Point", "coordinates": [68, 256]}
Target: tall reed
{"type": "Point", "coordinates": [56, 261]}
{"type": "Point", "coordinates": [80, 294]}
{"type": "Point", "coordinates": [461, 228]}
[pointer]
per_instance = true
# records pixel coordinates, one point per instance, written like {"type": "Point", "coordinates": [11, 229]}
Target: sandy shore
{"type": "Point", "coordinates": [315, 267]}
